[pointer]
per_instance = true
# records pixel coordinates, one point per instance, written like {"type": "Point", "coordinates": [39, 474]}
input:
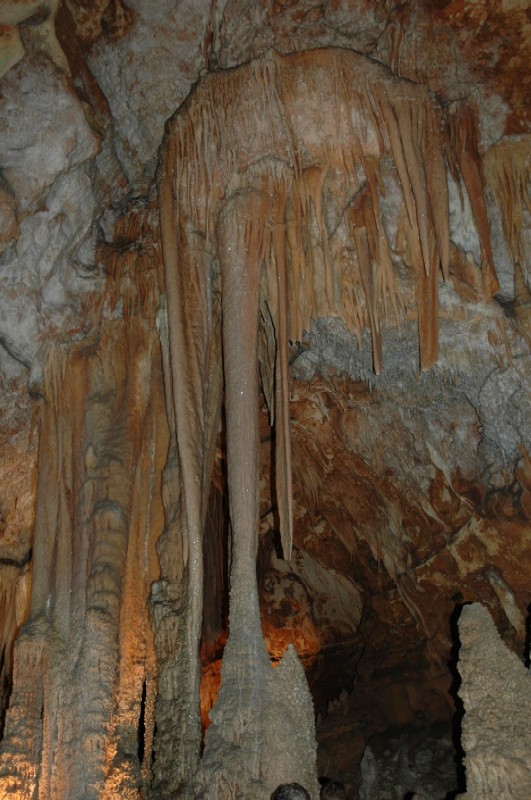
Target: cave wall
{"type": "Point", "coordinates": [405, 483]}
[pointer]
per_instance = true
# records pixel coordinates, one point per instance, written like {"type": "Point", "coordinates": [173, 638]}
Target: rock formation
{"type": "Point", "coordinates": [84, 662]}
{"type": "Point", "coordinates": [252, 194]}
{"type": "Point", "coordinates": [264, 362]}
{"type": "Point", "coordinates": [29, 24]}
{"type": "Point", "coordinates": [496, 693]}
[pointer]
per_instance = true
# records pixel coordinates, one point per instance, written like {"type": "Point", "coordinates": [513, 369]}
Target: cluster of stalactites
{"type": "Point", "coordinates": [507, 166]}
{"type": "Point", "coordinates": [329, 120]}
{"type": "Point", "coordinates": [464, 161]}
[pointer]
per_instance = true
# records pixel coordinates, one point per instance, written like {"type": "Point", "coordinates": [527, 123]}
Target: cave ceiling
{"type": "Point", "coordinates": [411, 478]}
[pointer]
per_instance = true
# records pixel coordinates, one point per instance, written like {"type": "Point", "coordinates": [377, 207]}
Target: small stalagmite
{"type": "Point", "coordinates": [496, 692]}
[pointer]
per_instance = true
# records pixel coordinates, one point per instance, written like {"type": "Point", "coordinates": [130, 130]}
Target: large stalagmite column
{"type": "Point", "coordinates": [262, 730]}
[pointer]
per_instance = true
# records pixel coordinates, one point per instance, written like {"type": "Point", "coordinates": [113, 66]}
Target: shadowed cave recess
{"type": "Point", "coordinates": [265, 452]}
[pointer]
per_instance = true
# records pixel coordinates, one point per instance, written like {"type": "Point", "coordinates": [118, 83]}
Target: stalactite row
{"type": "Point", "coordinates": [84, 662]}
{"type": "Point", "coordinates": [322, 124]}
{"type": "Point", "coordinates": [464, 161]}
{"type": "Point", "coordinates": [331, 117]}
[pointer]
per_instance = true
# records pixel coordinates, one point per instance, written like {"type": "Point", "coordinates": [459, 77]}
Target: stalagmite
{"type": "Point", "coordinates": [262, 729]}
{"type": "Point", "coordinates": [496, 691]}
{"type": "Point", "coordinates": [254, 166]}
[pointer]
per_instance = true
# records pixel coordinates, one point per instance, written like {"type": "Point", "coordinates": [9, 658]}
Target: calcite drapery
{"type": "Point", "coordinates": [508, 172]}
{"type": "Point", "coordinates": [271, 176]}
{"type": "Point", "coordinates": [84, 662]}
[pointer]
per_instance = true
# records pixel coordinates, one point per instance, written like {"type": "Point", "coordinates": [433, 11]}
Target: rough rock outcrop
{"type": "Point", "coordinates": [47, 154]}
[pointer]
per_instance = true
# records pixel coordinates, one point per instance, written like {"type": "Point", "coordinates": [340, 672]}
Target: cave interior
{"type": "Point", "coordinates": [265, 441]}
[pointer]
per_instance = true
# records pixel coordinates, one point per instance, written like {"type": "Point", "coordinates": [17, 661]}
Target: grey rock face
{"type": "Point", "coordinates": [160, 59]}
{"type": "Point", "coordinates": [46, 146]}
{"type": "Point", "coordinates": [43, 130]}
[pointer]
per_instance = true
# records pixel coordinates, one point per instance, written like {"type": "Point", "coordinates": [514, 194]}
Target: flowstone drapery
{"type": "Point", "coordinates": [85, 666]}
{"type": "Point", "coordinates": [271, 183]}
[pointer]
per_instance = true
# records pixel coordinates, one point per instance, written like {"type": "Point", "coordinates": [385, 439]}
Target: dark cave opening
{"type": "Point", "coordinates": [141, 731]}
{"type": "Point", "coordinates": [527, 646]}
{"type": "Point", "coordinates": [459, 706]}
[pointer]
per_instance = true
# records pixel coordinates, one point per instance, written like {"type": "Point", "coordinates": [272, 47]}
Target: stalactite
{"type": "Point", "coordinates": [252, 723]}
{"type": "Point", "coordinates": [465, 161]}
{"type": "Point", "coordinates": [327, 111]}
{"type": "Point", "coordinates": [281, 402]}
{"type": "Point", "coordinates": [507, 166]}
{"type": "Point", "coordinates": [367, 281]}
{"type": "Point", "coordinates": [195, 355]}
{"type": "Point", "coordinates": [14, 594]}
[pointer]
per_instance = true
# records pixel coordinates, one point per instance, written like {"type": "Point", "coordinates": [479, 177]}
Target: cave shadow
{"type": "Point", "coordinates": [141, 727]}
{"type": "Point", "coordinates": [273, 509]}
{"type": "Point", "coordinates": [5, 688]}
{"type": "Point", "coordinates": [457, 719]}
{"type": "Point", "coordinates": [527, 645]}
